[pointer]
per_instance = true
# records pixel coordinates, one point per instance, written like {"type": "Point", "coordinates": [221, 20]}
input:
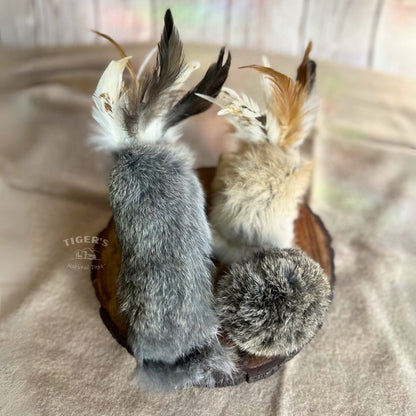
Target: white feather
{"type": "Point", "coordinates": [110, 98]}
{"type": "Point", "coordinates": [184, 74]}
{"type": "Point", "coordinates": [267, 85]}
{"type": "Point", "coordinates": [145, 62]}
{"type": "Point", "coordinates": [208, 98]}
{"type": "Point", "coordinates": [242, 112]}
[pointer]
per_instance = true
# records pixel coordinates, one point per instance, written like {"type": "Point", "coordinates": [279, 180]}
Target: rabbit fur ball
{"type": "Point", "coordinates": [274, 302]}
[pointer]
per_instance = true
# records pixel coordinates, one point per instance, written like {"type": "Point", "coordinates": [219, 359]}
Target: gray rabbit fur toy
{"type": "Point", "coordinates": [274, 302]}
{"type": "Point", "coordinates": [164, 284]}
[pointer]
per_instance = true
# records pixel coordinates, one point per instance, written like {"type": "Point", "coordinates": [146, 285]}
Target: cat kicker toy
{"type": "Point", "coordinates": [257, 188]}
{"type": "Point", "coordinates": [164, 284]}
{"type": "Point", "coordinates": [274, 298]}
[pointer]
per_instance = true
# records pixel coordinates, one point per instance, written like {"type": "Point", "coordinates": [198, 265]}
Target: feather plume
{"type": "Point", "coordinates": [121, 52]}
{"type": "Point", "coordinates": [150, 106]}
{"type": "Point", "coordinates": [157, 84]}
{"type": "Point", "coordinates": [243, 113]}
{"type": "Point", "coordinates": [291, 101]}
{"type": "Point", "coordinates": [192, 103]}
{"type": "Point", "coordinates": [290, 107]}
{"type": "Point", "coordinates": [110, 97]}
{"type": "Point", "coordinates": [289, 97]}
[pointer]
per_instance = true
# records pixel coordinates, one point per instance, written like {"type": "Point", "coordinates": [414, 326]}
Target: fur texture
{"type": "Point", "coordinates": [256, 195]}
{"type": "Point", "coordinates": [165, 277]}
{"type": "Point", "coordinates": [274, 302]}
{"type": "Point", "coordinates": [258, 187]}
{"type": "Point", "coordinates": [164, 284]}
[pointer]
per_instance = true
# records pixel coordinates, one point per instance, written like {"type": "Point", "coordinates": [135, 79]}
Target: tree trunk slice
{"type": "Point", "coordinates": [311, 236]}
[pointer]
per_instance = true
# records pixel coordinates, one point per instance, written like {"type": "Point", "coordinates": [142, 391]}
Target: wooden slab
{"type": "Point", "coordinates": [311, 236]}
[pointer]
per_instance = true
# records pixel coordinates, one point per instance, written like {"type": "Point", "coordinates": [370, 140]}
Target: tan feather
{"type": "Point", "coordinates": [289, 99]}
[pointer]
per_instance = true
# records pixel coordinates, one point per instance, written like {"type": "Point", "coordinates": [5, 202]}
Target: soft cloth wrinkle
{"type": "Point", "coordinates": [57, 357]}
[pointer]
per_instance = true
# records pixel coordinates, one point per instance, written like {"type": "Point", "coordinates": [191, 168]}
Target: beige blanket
{"type": "Point", "coordinates": [57, 358]}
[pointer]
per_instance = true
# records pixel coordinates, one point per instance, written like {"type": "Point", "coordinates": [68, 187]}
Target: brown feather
{"type": "Point", "coordinates": [289, 98]}
{"type": "Point", "coordinates": [122, 54]}
{"type": "Point", "coordinates": [303, 75]}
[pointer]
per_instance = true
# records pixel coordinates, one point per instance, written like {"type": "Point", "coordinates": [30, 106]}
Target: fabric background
{"type": "Point", "coordinates": [57, 358]}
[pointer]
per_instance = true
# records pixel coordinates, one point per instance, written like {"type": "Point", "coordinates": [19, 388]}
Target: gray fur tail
{"type": "Point", "coordinates": [208, 366]}
{"type": "Point", "coordinates": [165, 278]}
{"type": "Point", "coordinates": [164, 284]}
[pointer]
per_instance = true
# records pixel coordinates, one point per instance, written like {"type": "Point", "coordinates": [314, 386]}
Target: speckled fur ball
{"type": "Point", "coordinates": [274, 302]}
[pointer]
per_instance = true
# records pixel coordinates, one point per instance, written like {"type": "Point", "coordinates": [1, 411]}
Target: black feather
{"type": "Point", "coordinates": [169, 63]}
{"type": "Point", "coordinates": [190, 104]}
{"type": "Point", "coordinates": [311, 76]}
{"type": "Point", "coordinates": [147, 103]}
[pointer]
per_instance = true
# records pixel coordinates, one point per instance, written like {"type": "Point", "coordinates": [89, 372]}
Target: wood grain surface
{"type": "Point", "coordinates": [311, 236]}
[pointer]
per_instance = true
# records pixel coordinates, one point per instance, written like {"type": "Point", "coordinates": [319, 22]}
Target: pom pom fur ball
{"type": "Point", "coordinates": [273, 302]}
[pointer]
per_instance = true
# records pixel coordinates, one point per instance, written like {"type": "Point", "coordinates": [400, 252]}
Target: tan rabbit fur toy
{"type": "Point", "coordinates": [257, 188]}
